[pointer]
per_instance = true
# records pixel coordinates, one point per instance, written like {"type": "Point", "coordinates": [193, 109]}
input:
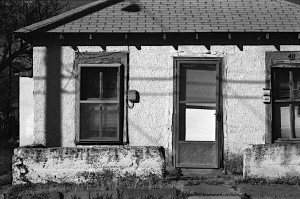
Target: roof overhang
{"type": "Point", "coordinates": [164, 39]}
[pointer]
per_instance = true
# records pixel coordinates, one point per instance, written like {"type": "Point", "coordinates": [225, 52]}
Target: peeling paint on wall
{"type": "Point", "coordinates": [272, 161]}
{"type": "Point", "coordinates": [85, 164]}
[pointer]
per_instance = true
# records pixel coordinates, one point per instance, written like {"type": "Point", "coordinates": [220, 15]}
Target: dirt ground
{"type": "Point", "coordinates": [174, 186]}
{"type": "Point", "coordinates": [180, 188]}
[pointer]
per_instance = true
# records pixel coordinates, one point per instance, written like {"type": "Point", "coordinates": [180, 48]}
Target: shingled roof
{"type": "Point", "coordinates": [169, 16]}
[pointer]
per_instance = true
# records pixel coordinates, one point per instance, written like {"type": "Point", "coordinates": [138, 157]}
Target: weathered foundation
{"type": "Point", "coordinates": [272, 161]}
{"type": "Point", "coordinates": [85, 164]}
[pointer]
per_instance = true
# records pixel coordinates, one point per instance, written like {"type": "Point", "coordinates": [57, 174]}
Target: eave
{"type": "Point", "coordinates": [164, 39]}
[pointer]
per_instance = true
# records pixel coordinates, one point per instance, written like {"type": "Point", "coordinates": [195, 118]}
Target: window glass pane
{"type": "Point", "coordinates": [282, 84]}
{"type": "Point", "coordinates": [282, 79]}
{"type": "Point", "coordinates": [198, 85]}
{"type": "Point", "coordinates": [282, 128]}
{"type": "Point", "coordinates": [99, 83]}
{"type": "Point", "coordinates": [110, 83]}
{"type": "Point", "coordinates": [90, 83]}
{"type": "Point", "coordinates": [282, 121]}
{"type": "Point", "coordinates": [99, 121]}
{"type": "Point", "coordinates": [296, 78]}
{"type": "Point", "coordinates": [297, 121]}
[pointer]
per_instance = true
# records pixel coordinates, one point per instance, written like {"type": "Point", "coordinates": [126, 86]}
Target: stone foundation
{"type": "Point", "coordinates": [272, 161]}
{"type": "Point", "coordinates": [85, 164]}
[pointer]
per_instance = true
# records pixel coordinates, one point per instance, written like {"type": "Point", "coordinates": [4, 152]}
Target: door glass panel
{"type": "Point", "coordinates": [198, 85]}
{"type": "Point", "coordinates": [198, 102]}
{"type": "Point", "coordinates": [200, 125]}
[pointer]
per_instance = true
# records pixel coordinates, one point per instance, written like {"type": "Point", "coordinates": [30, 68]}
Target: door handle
{"type": "Point", "coordinates": [218, 117]}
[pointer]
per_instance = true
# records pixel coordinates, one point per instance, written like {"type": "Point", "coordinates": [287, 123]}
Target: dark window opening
{"type": "Point", "coordinates": [286, 103]}
{"type": "Point", "coordinates": [101, 103]}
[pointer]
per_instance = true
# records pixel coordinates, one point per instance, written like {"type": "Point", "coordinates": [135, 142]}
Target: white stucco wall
{"type": "Point", "coordinates": [26, 111]}
{"type": "Point", "coordinates": [151, 73]}
{"type": "Point", "coordinates": [67, 97]}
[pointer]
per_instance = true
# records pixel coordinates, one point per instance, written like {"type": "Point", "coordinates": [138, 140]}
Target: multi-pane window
{"type": "Point", "coordinates": [286, 103]}
{"type": "Point", "coordinates": [101, 103]}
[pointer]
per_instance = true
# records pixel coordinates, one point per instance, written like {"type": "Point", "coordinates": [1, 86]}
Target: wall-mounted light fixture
{"type": "Point", "coordinates": [133, 96]}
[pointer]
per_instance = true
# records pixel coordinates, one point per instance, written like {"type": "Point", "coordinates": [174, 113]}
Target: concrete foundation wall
{"type": "Point", "coordinates": [272, 161]}
{"type": "Point", "coordinates": [86, 165]}
{"type": "Point", "coordinates": [151, 73]}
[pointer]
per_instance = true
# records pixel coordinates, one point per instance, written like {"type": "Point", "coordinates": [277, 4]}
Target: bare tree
{"type": "Point", "coordinates": [15, 14]}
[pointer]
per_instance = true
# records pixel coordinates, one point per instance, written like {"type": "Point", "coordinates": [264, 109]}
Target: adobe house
{"type": "Point", "coordinates": [141, 88]}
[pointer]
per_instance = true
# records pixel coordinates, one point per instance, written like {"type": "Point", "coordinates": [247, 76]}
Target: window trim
{"type": "Point", "coordinates": [274, 60]}
{"type": "Point", "coordinates": [291, 101]}
{"type": "Point", "coordinates": [119, 100]}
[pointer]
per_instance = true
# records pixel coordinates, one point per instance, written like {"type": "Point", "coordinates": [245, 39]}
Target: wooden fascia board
{"type": "Point", "coordinates": [153, 39]}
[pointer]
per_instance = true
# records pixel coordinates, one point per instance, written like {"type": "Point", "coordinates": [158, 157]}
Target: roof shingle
{"type": "Point", "coordinates": [182, 16]}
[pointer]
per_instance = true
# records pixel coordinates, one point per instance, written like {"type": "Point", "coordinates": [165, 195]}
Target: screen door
{"type": "Point", "coordinates": [197, 113]}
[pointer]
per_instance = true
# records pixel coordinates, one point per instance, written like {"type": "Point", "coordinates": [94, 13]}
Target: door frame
{"type": "Point", "coordinates": [219, 108]}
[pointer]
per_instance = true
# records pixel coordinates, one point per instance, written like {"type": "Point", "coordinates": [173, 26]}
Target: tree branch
{"type": "Point", "coordinates": [6, 62]}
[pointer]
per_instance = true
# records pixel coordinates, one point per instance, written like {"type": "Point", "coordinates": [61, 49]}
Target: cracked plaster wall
{"type": "Point", "coordinates": [86, 165]}
{"type": "Point", "coordinates": [151, 73]}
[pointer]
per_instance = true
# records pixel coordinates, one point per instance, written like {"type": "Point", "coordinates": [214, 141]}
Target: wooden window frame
{"type": "Point", "coordinates": [276, 61]}
{"type": "Point", "coordinates": [291, 101]}
{"type": "Point", "coordinates": [119, 100]}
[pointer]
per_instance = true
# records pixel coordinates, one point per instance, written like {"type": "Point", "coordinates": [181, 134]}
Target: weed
{"type": "Point", "coordinates": [288, 180]}
{"type": "Point", "coordinates": [234, 164]}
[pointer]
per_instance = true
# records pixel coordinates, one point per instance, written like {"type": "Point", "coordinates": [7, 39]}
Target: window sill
{"type": "Point", "coordinates": [99, 143]}
{"type": "Point", "coordinates": [288, 141]}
